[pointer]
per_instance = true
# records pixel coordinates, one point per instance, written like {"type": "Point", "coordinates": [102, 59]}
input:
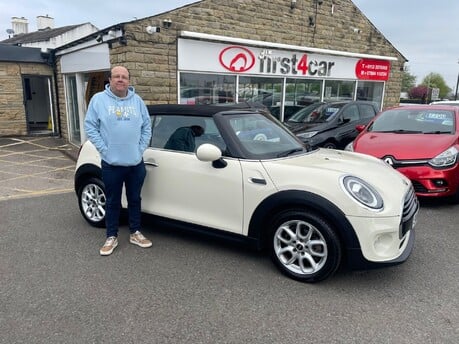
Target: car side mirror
{"type": "Point", "coordinates": [208, 152]}
{"type": "Point", "coordinates": [360, 127]}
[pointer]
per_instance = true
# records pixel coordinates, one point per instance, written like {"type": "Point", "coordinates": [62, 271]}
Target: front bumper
{"type": "Point", "coordinates": [384, 241]}
{"type": "Point", "coordinates": [430, 182]}
{"type": "Point", "coordinates": [356, 260]}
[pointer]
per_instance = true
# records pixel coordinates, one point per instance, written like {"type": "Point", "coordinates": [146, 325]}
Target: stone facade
{"type": "Point", "coordinates": [337, 25]}
{"type": "Point", "coordinates": [12, 109]}
{"type": "Point", "coordinates": [62, 106]}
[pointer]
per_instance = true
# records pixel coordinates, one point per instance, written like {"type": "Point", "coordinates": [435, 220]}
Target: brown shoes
{"type": "Point", "coordinates": [138, 239]}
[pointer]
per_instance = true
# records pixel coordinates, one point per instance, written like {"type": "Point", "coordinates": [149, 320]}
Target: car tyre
{"type": "Point", "coordinates": [329, 145]}
{"type": "Point", "coordinates": [304, 246]}
{"type": "Point", "coordinates": [91, 201]}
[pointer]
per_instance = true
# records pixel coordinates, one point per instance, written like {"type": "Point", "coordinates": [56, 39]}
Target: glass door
{"type": "Point", "coordinates": [73, 116]}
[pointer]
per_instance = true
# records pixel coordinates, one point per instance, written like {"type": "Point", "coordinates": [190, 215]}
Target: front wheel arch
{"type": "Point", "coordinates": [290, 199]}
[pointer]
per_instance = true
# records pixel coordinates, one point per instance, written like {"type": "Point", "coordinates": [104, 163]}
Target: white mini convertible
{"type": "Point", "coordinates": [251, 180]}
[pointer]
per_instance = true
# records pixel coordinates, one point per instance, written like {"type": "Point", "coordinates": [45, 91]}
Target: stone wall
{"type": "Point", "coordinates": [12, 109]}
{"type": "Point", "coordinates": [62, 108]}
{"type": "Point", "coordinates": [152, 59]}
{"type": "Point", "coordinates": [338, 25]}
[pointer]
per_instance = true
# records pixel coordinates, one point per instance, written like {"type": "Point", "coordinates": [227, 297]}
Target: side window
{"type": "Point", "coordinates": [160, 131]}
{"type": "Point", "coordinates": [367, 111]}
{"type": "Point", "coordinates": [211, 135]}
{"type": "Point", "coordinates": [351, 113]}
{"type": "Point", "coordinates": [184, 133]}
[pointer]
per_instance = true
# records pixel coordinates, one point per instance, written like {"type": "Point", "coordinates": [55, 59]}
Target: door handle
{"type": "Point", "coordinates": [258, 181]}
{"type": "Point", "coordinates": [154, 164]}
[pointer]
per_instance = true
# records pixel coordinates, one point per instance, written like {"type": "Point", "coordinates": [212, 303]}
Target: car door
{"type": "Point", "coordinates": [367, 113]}
{"type": "Point", "coordinates": [181, 187]}
{"type": "Point", "coordinates": [348, 120]}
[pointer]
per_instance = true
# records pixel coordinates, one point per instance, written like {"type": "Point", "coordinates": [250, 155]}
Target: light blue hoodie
{"type": "Point", "coordinates": [119, 128]}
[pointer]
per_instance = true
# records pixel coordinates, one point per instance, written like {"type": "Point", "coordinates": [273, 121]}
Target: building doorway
{"type": "Point", "coordinates": [38, 103]}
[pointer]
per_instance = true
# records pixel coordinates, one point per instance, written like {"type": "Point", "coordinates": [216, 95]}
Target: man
{"type": "Point", "coordinates": [118, 125]}
{"type": "Point", "coordinates": [183, 138]}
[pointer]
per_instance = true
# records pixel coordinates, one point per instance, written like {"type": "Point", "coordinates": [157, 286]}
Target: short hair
{"type": "Point", "coordinates": [110, 72]}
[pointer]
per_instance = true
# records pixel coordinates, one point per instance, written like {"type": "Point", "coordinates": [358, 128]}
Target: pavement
{"type": "Point", "coordinates": [35, 166]}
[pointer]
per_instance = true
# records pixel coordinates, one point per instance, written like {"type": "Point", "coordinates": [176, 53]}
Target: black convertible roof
{"type": "Point", "coordinates": [198, 110]}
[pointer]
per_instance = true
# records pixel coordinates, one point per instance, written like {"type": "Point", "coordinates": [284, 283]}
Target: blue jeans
{"type": "Point", "coordinates": [114, 177]}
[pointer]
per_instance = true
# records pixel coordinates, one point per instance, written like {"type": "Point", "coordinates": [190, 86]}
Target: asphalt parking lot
{"type": "Point", "coordinates": [56, 288]}
{"type": "Point", "coordinates": [34, 166]}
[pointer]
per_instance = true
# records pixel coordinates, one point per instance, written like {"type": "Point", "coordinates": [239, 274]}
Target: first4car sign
{"type": "Point", "coordinates": [221, 58]}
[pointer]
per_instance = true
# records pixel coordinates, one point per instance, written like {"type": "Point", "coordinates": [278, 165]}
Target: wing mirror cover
{"type": "Point", "coordinates": [208, 152]}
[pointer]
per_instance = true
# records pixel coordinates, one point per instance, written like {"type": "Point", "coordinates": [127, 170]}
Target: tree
{"type": "Point", "coordinates": [408, 81]}
{"type": "Point", "coordinates": [435, 80]}
{"type": "Point", "coordinates": [419, 92]}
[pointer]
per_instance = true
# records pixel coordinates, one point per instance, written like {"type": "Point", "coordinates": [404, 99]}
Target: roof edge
{"type": "Point", "coordinates": [218, 38]}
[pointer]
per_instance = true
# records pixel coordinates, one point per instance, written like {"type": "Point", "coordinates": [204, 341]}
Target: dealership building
{"type": "Point", "coordinates": [281, 53]}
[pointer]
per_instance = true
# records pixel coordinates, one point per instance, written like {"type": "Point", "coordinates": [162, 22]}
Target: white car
{"type": "Point", "coordinates": [313, 210]}
{"type": "Point", "coordinates": [446, 102]}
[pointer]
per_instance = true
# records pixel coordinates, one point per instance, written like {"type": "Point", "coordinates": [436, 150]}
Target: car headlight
{"type": "Point", "coordinates": [445, 159]}
{"type": "Point", "coordinates": [349, 147]}
{"type": "Point", "coordinates": [362, 192]}
{"type": "Point", "coordinates": [307, 135]}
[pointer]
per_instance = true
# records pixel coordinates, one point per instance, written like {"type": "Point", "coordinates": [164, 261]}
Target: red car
{"type": "Point", "coordinates": [422, 142]}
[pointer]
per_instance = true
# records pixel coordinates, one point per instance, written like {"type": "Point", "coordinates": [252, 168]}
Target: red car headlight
{"type": "Point", "coordinates": [445, 159]}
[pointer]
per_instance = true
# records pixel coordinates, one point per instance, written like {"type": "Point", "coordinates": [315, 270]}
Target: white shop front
{"type": "Point", "coordinates": [217, 69]}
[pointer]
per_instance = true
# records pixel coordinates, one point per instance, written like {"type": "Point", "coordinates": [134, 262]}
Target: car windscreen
{"type": "Point", "coordinates": [302, 114]}
{"type": "Point", "coordinates": [324, 113]}
{"type": "Point", "coordinates": [262, 138]}
{"type": "Point", "coordinates": [409, 121]}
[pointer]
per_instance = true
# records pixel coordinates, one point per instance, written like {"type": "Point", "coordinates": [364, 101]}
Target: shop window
{"type": "Point", "coordinates": [206, 88]}
{"type": "Point", "coordinates": [371, 91]}
{"type": "Point", "coordinates": [267, 91]}
{"type": "Point", "coordinates": [303, 92]}
{"type": "Point", "coordinates": [339, 90]}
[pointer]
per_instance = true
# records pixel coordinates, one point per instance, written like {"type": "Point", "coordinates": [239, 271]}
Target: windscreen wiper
{"type": "Point", "coordinates": [437, 132]}
{"type": "Point", "coordinates": [399, 131]}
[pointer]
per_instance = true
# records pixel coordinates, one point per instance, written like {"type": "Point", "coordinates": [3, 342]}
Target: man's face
{"type": "Point", "coordinates": [119, 81]}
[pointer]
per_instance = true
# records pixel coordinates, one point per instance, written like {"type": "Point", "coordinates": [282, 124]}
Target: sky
{"type": "Point", "coordinates": [425, 32]}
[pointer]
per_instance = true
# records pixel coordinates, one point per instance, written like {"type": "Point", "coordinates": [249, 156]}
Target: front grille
{"type": "Point", "coordinates": [392, 161]}
{"type": "Point", "coordinates": [410, 208]}
{"type": "Point", "coordinates": [418, 187]}
{"type": "Point", "coordinates": [410, 205]}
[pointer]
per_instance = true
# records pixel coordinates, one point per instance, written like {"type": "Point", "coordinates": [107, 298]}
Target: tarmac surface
{"type": "Point", "coordinates": [35, 166]}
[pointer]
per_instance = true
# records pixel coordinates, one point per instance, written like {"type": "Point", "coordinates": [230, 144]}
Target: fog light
{"type": "Point", "coordinates": [383, 243]}
{"type": "Point", "coordinates": [439, 182]}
